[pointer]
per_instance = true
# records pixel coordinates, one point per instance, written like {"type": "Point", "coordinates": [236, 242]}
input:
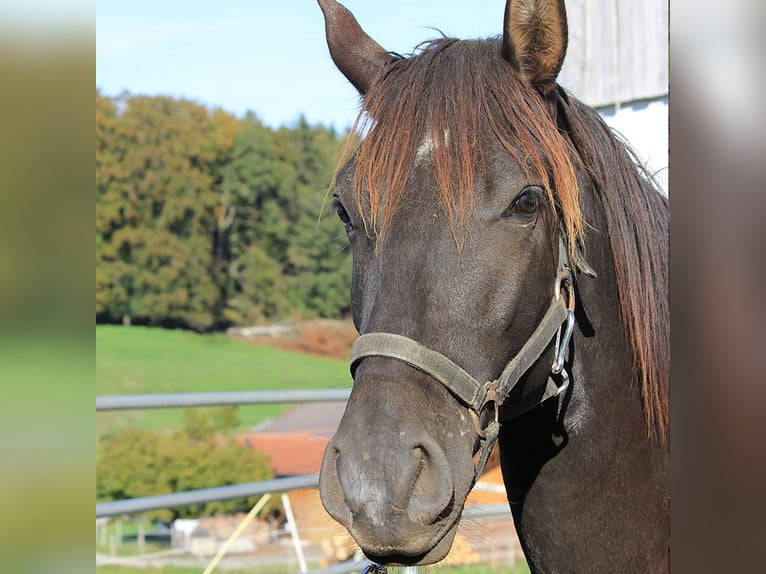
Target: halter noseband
{"type": "Point", "coordinates": [558, 322]}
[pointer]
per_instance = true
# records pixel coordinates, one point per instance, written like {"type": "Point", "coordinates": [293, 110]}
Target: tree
{"type": "Point", "coordinates": [257, 189]}
{"type": "Point", "coordinates": [158, 168]}
{"type": "Point", "coordinates": [206, 221]}
{"type": "Point", "coordinates": [137, 463]}
{"type": "Point", "coordinates": [320, 261]}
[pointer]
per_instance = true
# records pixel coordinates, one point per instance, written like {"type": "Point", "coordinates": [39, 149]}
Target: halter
{"type": "Point", "coordinates": [557, 322]}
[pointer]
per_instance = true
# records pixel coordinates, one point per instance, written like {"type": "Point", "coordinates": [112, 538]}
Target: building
{"type": "Point", "coordinates": [617, 62]}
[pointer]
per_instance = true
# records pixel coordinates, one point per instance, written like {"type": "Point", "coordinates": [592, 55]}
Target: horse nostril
{"type": "Point", "coordinates": [432, 491]}
{"type": "Point", "coordinates": [355, 486]}
{"type": "Point", "coordinates": [330, 488]}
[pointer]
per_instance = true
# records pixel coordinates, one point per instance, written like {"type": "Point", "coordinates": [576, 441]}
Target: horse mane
{"type": "Point", "coordinates": [447, 92]}
{"type": "Point", "coordinates": [637, 220]}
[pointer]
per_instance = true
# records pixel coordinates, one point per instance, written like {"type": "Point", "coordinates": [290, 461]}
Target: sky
{"type": "Point", "coordinates": [264, 56]}
{"type": "Point", "coordinates": [271, 57]}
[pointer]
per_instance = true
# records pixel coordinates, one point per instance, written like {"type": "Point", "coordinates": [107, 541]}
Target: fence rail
{"type": "Point", "coordinates": [135, 505]}
{"type": "Point", "coordinates": [175, 400]}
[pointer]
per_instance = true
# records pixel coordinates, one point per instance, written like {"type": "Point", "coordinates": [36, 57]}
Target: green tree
{"type": "Point", "coordinates": [320, 261]}
{"type": "Point", "coordinates": [162, 278]}
{"type": "Point", "coordinates": [257, 186]}
{"type": "Point", "coordinates": [139, 463]}
{"type": "Point", "coordinates": [158, 169]}
{"type": "Point", "coordinates": [204, 220]}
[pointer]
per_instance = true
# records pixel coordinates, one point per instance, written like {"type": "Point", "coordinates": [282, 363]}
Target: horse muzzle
{"type": "Point", "coordinates": [397, 502]}
{"type": "Point", "coordinates": [396, 473]}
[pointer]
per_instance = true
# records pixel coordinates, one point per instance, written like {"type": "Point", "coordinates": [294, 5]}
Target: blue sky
{"type": "Point", "coordinates": [268, 57]}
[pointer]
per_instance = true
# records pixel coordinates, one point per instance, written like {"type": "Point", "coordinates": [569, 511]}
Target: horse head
{"type": "Point", "coordinates": [455, 230]}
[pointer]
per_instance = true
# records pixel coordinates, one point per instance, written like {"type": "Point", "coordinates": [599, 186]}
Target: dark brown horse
{"type": "Point", "coordinates": [500, 233]}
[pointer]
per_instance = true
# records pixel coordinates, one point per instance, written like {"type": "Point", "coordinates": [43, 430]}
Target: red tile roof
{"type": "Point", "coordinates": [290, 453]}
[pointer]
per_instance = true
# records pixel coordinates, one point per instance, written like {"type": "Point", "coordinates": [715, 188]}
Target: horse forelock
{"type": "Point", "coordinates": [447, 93]}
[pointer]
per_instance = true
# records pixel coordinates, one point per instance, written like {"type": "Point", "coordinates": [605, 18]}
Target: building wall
{"type": "Point", "coordinates": [645, 126]}
{"type": "Point", "coordinates": [617, 52]}
{"type": "Point", "coordinates": [617, 62]}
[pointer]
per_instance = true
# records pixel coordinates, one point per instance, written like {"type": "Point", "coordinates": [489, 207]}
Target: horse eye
{"type": "Point", "coordinates": [525, 204]}
{"type": "Point", "coordinates": [343, 215]}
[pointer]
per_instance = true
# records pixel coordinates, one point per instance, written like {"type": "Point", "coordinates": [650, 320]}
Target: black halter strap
{"type": "Point", "coordinates": [557, 322]}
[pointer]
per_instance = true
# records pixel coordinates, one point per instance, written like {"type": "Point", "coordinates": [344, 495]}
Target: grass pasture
{"type": "Point", "coordinates": [143, 360]}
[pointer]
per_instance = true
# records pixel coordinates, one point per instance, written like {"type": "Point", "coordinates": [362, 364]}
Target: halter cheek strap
{"type": "Point", "coordinates": [557, 322]}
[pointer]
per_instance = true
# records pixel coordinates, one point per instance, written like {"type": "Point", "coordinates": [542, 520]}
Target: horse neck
{"type": "Point", "coordinates": [587, 486]}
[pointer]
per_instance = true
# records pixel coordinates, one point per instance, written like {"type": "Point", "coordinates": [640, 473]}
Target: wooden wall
{"type": "Point", "coordinates": [618, 51]}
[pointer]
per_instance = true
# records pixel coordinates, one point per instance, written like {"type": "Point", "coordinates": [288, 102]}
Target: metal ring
{"type": "Point", "coordinates": [489, 397]}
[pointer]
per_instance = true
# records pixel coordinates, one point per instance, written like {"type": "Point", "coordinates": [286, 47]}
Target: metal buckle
{"type": "Point", "coordinates": [489, 397]}
{"type": "Point", "coordinates": [563, 342]}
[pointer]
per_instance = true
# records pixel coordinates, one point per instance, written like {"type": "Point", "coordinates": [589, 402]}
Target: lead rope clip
{"type": "Point", "coordinates": [562, 342]}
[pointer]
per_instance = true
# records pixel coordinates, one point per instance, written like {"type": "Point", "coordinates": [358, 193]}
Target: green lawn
{"type": "Point", "coordinates": [139, 360]}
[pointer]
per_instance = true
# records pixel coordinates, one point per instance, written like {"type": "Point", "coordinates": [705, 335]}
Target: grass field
{"type": "Point", "coordinates": [139, 360]}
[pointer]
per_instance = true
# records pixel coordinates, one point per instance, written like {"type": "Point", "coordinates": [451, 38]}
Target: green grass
{"type": "Point", "coordinates": [140, 360]}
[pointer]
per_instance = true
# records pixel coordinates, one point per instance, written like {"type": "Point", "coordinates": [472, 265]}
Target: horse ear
{"type": "Point", "coordinates": [535, 39]}
{"type": "Point", "coordinates": [356, 55]}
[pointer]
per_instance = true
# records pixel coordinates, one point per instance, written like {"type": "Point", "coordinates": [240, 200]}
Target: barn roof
{"type": "Point", "coordinates": [295, 441]}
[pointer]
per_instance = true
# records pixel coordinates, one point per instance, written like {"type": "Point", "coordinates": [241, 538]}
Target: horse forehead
{"type": "Point", "coordinates": [428, 144]}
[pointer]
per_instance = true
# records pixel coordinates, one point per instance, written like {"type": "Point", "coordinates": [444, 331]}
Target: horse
{"type": "Point", "coordinates": [509, 284]}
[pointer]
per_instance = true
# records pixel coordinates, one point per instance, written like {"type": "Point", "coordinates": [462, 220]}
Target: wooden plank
{"type": "Point", "coordinates": [618, 50]}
